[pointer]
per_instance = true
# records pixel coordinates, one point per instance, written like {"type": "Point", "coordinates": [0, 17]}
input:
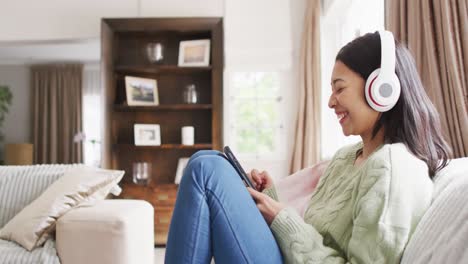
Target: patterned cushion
{"type": "Point", "coordinates": [10, 253]}
{"type": "Point", "coordinates": [20, 185]}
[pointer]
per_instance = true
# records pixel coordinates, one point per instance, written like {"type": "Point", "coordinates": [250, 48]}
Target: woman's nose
{"type": "Point", "coordinates": [331, 101]}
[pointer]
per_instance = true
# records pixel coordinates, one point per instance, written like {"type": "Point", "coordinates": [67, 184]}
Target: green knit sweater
{"type": "Point", "coordinates": [357, 214]}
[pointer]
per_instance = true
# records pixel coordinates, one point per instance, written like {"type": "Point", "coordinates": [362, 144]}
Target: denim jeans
{"type": "Point", "coordinates": [215, 216]}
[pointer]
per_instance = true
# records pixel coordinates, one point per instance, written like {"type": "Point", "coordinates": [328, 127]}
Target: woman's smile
{"type": "Point", "coordinates": [342, 117]}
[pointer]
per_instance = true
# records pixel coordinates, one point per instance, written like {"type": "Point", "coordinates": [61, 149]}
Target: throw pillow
{"type": "Point", "coordinates": [31, 227]}
{"type": "Point", "coordinates": [21, 185]}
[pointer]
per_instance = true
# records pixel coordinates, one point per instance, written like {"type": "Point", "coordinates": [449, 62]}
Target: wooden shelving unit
{"type": "Point", "coordinates": [160, 69]}
{"type": "Point", "coordinates": [175, 107]}
{"type": "Point", "coordinates": [123, 43]}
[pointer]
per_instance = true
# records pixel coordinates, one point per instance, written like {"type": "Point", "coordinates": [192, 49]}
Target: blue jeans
{"type": "Point", "coordinates": [215, 216]}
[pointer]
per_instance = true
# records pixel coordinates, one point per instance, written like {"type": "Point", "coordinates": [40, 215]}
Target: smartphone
{"type": "Point", "coordinates": [232, 159]}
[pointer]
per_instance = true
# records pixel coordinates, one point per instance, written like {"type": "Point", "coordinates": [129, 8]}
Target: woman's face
{"type": "Point", "coordinates": [356, 117]}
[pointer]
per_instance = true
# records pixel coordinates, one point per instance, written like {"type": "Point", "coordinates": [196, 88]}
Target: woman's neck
{"type": "Point", "coordinates": [371, 143]}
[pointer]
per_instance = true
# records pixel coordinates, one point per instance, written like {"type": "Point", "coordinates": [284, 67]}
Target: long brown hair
{"type": "Point", "coordinates": [414, 121]}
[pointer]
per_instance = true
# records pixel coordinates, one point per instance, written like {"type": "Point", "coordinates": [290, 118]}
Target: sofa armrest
{"type": "Point", "coordinates": [110, 231]}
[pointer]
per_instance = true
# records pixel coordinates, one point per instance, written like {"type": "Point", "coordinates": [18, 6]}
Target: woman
{"type": "Point", "coordinates": [366, 204]}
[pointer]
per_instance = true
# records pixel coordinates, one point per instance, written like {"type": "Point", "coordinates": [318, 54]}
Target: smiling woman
{"type": "Point", "coordinates": [412, 120]}
{"type": "Point", "coordinates": [364, 208]}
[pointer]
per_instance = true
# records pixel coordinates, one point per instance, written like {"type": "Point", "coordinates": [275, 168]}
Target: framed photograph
{"type": "Point", "coordinates": [141, 91]}
{"type": "Point", "coordinates": [147, 135]}
{"type": "Point", "coordinates": [194, 53]}
{"type": "Point", "coordinates": [181, 164]}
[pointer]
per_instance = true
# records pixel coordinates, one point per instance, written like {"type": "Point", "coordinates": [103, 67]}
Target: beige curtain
{"type": "Point", "coordinates": [56, 99]}
{"type": "Point", "coordinates": [306, 149]}
{"type": "Point", "coordinates": [436, 33]}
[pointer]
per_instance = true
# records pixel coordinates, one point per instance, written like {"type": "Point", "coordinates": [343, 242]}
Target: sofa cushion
{"type": "Point", "coordinates": [31, 227]}
{"type": "Point", "coordinates": [20, 185]}
{"type": "Point", "coordinates": [442, 234]}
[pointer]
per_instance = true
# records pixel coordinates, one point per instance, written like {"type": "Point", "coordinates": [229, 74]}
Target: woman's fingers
{"type": "Point", "coordinates": [266, 181]}
{"type": "Point", "coordinates": [256, 195]}
{"type": "Point", "coordinates": [268, 207]}
{"type": "Point", "coordinates": [260, 180]}
{"type": "Point", "coordinates": [256, 178]}
{"type": "Point", "coordinates": [265, 175]}
{"type": "Point", "coordinates": [252, 192]}
{"type": "Point", "coordinates": [255, 175]}
{"type": "Point", "coordinates": [260, 198]}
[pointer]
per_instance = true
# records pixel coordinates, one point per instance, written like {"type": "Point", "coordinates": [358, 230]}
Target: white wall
{"type": "Point", "coordinates": [23, 20]}
{"type": "Point", "coordinates": [182, 8]}
{"type": "Point", "coordinates": [257, 33]}
{"type": "Point", "coordinates": [52, 51]}
{"type": "Point", "coordinates": [16, 126]}
{"type": "Point", "coordinates": [56, 19]}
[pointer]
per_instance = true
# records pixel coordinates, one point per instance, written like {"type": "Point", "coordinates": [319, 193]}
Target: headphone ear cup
{"type": "Point", "coordinates": [382, 92]}
{"type": "Point", "coordinates": [368, 90]}
{"type": "Point", "coordinates": [396, 91]}
{"type": "Point", "coordinates": [382, 88]}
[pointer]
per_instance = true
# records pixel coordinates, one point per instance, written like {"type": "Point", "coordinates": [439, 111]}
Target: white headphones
{"type": "Point", "coordinates": [383, 86]}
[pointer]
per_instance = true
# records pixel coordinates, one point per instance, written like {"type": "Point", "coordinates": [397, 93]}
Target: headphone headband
{"type": "Point", "coordinates": [387, 64]}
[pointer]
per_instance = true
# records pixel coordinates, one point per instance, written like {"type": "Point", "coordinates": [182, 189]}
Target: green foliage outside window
{"type": "Point", "coordinates": [5, 102]}
{"type": "Point", "coordinates": [256, 112]}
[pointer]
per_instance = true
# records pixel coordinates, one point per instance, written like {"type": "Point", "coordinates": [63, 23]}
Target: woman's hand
{"type": "Point", "coordinates": [267, 206]}
{"type": "Point", "coordinates": [261, 180]}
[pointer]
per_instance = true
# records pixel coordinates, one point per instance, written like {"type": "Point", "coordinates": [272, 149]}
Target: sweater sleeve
{"type": "Point", "coordinates": [372, 239]}
{"type": "Point", "coordinates": [272, 193]}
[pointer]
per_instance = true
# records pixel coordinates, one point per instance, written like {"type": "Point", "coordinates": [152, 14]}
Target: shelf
{"type": "Point", "coordinates": [127, 108]}
{"type": "Point", "coordinates": [123, 42]}
{"type": "Point", "coordinates": [163, 146]}
{"type": "Point", "coordinates": [160, 69]}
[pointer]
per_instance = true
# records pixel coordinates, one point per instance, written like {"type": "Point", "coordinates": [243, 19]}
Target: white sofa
{"type": "Point", "coordinates": [442, 234]}
{"type": "Point", "coordinates": [109, 231]}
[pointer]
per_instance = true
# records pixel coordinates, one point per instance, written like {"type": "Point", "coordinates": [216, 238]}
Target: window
{"type": "Point", "coordinates": [347, 20]}
{"type": "Point", "coordinates": [92, 111]}
{"type": "Point", "coordinates": [255, 120]}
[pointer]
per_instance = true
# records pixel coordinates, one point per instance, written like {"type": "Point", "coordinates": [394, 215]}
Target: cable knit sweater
{"type": "Point", "coordinates": [357, 214]}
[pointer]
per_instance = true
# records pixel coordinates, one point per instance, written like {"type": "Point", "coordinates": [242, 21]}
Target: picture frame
{"type": "Point", "coordinates": [181, 164]}
{"type": "Point", "coordinates": [193, 53]}
{"type": "Point", "coordinates": [141, 91]}
{"type": "Point", "coordinates": [147, 134]}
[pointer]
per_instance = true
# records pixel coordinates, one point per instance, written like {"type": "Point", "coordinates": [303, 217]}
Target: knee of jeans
{"type": "Point", "coordinates": [203, 167]}
{"type": "Point", "coordinates": [204, 152]}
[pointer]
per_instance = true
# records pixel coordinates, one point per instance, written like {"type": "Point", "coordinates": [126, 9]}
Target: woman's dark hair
{"type": "Point", "coordinates": [414, 121]}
